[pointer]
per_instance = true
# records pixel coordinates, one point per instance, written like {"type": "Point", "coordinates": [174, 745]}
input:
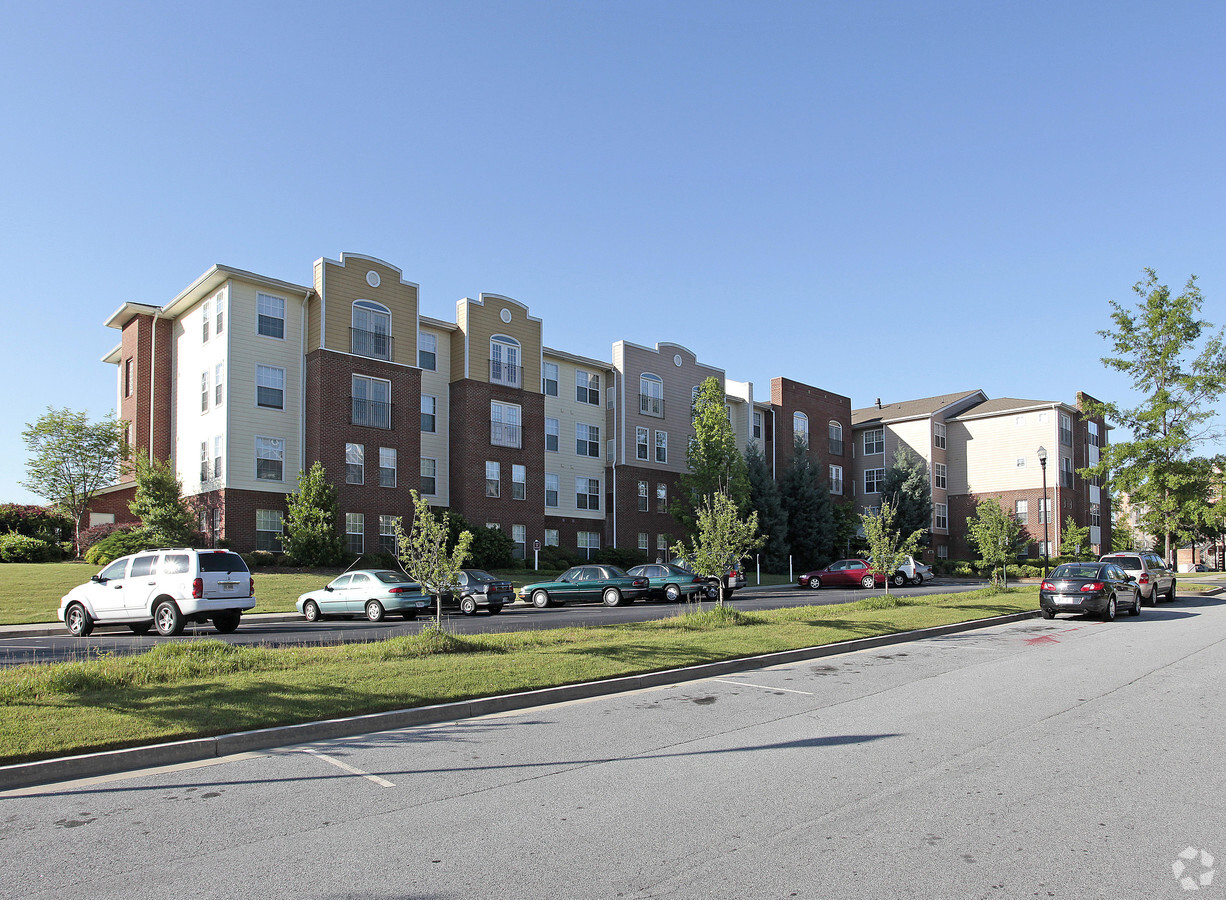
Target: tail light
{"type": "Point", "coordinates": [251, 586]}
{"type": "Point", "coordinates": [1047, 586]}
{"type": "Point", "coordinates": [1092, 586]}
{"type": "Point", "coordinates": [697, 580]}
{"type": "Point", "coordinates": [1144, 579]}
{"type": "Point", "coordinates": [399, 590]}
{"type": "Point", "coordinates": [198, 588]}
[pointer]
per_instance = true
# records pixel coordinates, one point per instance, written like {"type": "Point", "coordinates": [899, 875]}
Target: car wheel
{"type": "Point", "coordinates": [612, 597]}
{"type": "Point", "coordinates": [814, 583]}
{"type": "Point", "coordinates": [77, 620]}
{"type": "Point", "coordinates": [140, 627]}
{"type": "Point", "coordinates": [468, 605]}
{"type": "Point", "coordinates": [1135, 610]}
{"type": "Point", "coordinates": [168, 619]}
{"type": "Point", "coordinates": [867, 582]}
{"type": "Point", "coordinates": [310, 610]}
{"type": "Point", "coordinates": [1153, 596]}
{"type": "Point", "coordinates": [1049, 614]}
{"type": "Point", "coordinates": [1170, 592]}
{"type": "Point", "coordinates": [899, 580]}
{"type": "Point", "coordinates": [227, 621]}
{"type": "Point", "coordinates": [494, 608]}
{"type": "Point", "coordinates": [374, 610]}
{"type": "Point", "coordinates": [672, 593]}
{"type": "Point", "coordinates": [917, 581]}
{"type": "Point", "coordinates": [540, 599]}
{"type": "Point", "coordinates": [1109, 612]}
{"type": "Point", "coordinates": [711, 592]}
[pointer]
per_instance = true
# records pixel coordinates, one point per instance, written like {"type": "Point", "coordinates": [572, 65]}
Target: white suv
{"type": "Point", "coordinates": [163, 588]}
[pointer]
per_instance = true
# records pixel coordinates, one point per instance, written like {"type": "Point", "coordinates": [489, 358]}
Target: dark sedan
{"type": "Point", "coordinates": [669, 582]}
{"type": "Point", "coordinates": [1089, 587]}
{"type": "Point", "coordinates": [606, 584]}
{"type": "Point", "coordinates": [480, 589]}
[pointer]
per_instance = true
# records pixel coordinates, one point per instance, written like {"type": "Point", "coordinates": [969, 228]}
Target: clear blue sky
{"type": "Point", "coordinates": [884, 199]}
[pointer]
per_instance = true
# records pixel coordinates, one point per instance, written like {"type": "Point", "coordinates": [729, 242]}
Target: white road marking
{"type": "Point", "coordinates": [762, 687]}
{"type": "Point", "coordinates": [382, 782]}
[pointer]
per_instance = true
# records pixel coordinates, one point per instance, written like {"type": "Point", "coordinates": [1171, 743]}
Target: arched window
{"type": "Point", "coordinates": [505, 366]}
{"type": "Point", "coordinates": [651, 395]}
{"type": "Point", "coordinates": [800, 428]}
{"type": "Point", "coordinates": [836, 438]}
{"type": "Point", "coordinates": [370, 333]}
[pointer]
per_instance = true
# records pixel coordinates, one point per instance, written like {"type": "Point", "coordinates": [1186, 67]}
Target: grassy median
{"type": "Point", "coordinates": [205, 687]}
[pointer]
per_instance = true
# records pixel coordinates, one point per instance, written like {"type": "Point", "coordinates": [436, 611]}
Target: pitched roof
{"type": "Point", "coordinates": [1002, 405]}
{"type": "Point", "coordinates": [909, 409]}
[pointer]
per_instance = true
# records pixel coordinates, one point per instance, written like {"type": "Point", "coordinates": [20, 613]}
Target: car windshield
{"type": "Point", "coordinates": [1074, 570]}
{"type": "Point", "coordinates": [389, 576]}
{"type": "Point", "coordinates": [221, 562]}
{"type": "Point", "coordinates": [479, 575]}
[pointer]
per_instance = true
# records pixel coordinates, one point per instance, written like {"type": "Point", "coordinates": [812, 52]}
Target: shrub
{"type": "Point", "coordinates": [34, 521]}
{"type": "Point", "coordinates": [557, 558]}
{"type": "Point", "coordinates": [91, 536]}
{"type": "Point", "coordinates": [15, 547]}
{"type": "Point", "coordinates": [622, 558]}
{"type": "Point", "coordinates": [121, 543]}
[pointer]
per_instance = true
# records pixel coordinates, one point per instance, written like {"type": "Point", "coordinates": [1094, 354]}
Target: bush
{"type": "Point", "coordinates": [15, 547]}
{"type": "Point", "coordinates": [623, 559]}
{"type": "Point", "coordinates": [258, 558]}
{"type": "Point", "coordinates": [121, 543]}
{"type": "Point", "coordinates": [91, 536]}
{"type": "Point", "coordinates": [557, 558]}
{"type": "Point", "coordinates": [34, 521]}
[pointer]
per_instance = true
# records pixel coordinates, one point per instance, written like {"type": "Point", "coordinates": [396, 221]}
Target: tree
{"type": "Point", "coordinates": [312, 535]}
{"type": "Point", "coordinates": [713, 462]}
{"type": "Point", "coordinates": [71, 459]}
{"type": "Point", "coordinates": [888, 548]}
{"type": "Point", "coordinates": [1123, 537]}
{"type": "Point", "coordinates": [424, 554]}
{"type": "Point", "coordinates": [907, 486]}
{"type": "Point", "coordinates": [806, 501]}
{"type": "Point", "coordinates": [1075, 538]}
{"type": "Point", "coordinates": [159, 505]}
{"type": "Point", "coordinates": [723, 537]}
{"type": "Point", "coordinates": [765, 500]}
{"type": "Point", "coordinates": [995, 533]}
{"type": "Point", "coordinates": [1156, 346]}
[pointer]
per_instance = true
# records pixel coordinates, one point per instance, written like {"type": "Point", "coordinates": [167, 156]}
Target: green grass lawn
{"type": "Point", "coordinates": [204, 687]}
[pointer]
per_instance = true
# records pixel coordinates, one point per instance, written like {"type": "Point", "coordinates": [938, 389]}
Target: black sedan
{"type": "Point", "coordinates": [480, 589]}
{"type": "Point", "coordinates": [1089, 587]}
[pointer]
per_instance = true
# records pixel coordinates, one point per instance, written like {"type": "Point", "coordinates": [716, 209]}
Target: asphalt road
{"type": "Point", "coordinates": [1067, 758]}
{"type": "Point", "coordinates": [294, 630]}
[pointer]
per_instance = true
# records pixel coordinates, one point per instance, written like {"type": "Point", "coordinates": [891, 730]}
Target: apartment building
{"type": "Point", "coordinates": [975, 448]}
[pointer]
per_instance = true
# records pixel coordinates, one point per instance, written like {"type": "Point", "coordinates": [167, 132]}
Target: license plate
{"type": "Point", "coordinates": [1068, 601]}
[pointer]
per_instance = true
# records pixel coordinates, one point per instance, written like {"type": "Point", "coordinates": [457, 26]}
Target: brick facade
{"type": "Point", "coordinates": [146, 345]}
{"type": "Point", "coordinates": [631, 521]}
{"type": "Point", "coordinates": [820, 408]}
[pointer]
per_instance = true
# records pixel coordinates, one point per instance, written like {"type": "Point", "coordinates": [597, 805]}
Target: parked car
{"type": "Point", "coordinates": [915, 571]}
{"type": "Point", "coordinates": [733, 579]}
{"type": "Point", "coordinates": [1089, 587]}
{"type": "Point", "coordinates": [165, 589]}
{"type": "Point", "coordinates": [608, 584]}
{"type": "Point", "coordinates": [479, 588]}
{"type": "Point", "coordinates": [369, 592]}
{"type": "Point", "coordinates": [844, 573]}
{"type": "Point", "coordinates": [669, 582]}
{"type": "Point", "coordinates": [1153, 577]}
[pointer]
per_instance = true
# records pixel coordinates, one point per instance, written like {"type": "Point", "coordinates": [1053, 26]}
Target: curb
{"type": "Point", "coordinates": [109, 762]}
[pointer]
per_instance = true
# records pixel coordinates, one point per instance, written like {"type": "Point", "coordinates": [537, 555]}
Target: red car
{"type": "Point", "coordinates": [844, 573]}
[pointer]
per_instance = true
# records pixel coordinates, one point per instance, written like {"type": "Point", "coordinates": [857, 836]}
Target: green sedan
{"type": "Point", "coordinates": [586, 584]}
{"type": "Point", "coordinates": [671, 583]}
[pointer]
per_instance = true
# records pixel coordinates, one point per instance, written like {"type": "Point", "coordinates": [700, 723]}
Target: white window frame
{"type": "Point", "coordinates": [506, 424]}
{"type": "Point", "coordinates": [387, 464]}
{"type": "Point", "coordinates": [940, 516]}
{"type": "Point", "coordinates": [355, 532]}
{"type": "Point", "coordinates": [493, 479]}
{"type": "Point", "coordinates": [274, 445]}
{"type": "Point", "coordinates": [644, 496]}
{"type": "Point", "coordinates": [873, 480]}
{"type": "Point", "coordinates": [651, 395]}
{"type": "Point", "coordinates": [510, 371]}
{"type": "Point", "coordinates": [642, 443]}
{"type": "Point", "coordinates": [661, 446]}
{"type": "Point", "coordinates": [587, 493]}
{"type": "Point", "coordinates": [427, 344]}
{"type": "Point", "coordinates": [800, 427]}
{"type": "Point", "coordinates": [270, 374]}
{"type": "Point", "coordinates": [1021, 512]}
{"type": "Point", "coordinates": [549, 379]}
{"type": "Point", "coordinates": [374, 314]}
{"type": "Point", "coordinates": [874, 441]}
{"type": "Point", "coordinates": [939, 438]}
{"type": "Point", "coordinates": [269, 309]}
{"type": "Point", "coordinates": [431, 464]}
{"type": "Point", "coordinates": [587, 440]}
{"type": "Point", "coordinates": [553, 487]}
{"type": "Point", "coordinates": [371, 388]}
{"type": "Point", "coordinates": [219, 376]}
{"type": "Point", "coordinates": [552, 429]}
{"type": "Point", "coordinates": [429, 411]}
{"type": "Point", "coordinates": [519, 482]}
{"type": "Point", "coordinates": [269, 521]}
{"type": "Point", "coordinates": [355, 463]}
{"type": "Point", "coordinates": [940, 475]}
{"type": "Point", "coordinates": [552, 537]}
{"type": "Point", "coordinates": [836, 480]}
{"type": "Point", "coordinates": [587, 387]}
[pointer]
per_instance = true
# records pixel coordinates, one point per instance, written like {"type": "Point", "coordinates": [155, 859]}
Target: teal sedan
{"type": "Point", "coordinates": [586, 584]}
{"type": "Point", "coordinates": [369, 592]}
{"type": "Point", "coordinates": [667, 582]}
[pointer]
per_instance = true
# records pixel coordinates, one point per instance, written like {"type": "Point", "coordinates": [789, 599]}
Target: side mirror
{"type": "Point", "coordinates": [97, 579]}
{"type": "Point", "coordinates": [327, 587]}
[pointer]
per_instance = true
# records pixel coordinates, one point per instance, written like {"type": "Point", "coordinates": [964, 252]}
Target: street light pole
{"type": "Point", "coordinates": [1043, 508]}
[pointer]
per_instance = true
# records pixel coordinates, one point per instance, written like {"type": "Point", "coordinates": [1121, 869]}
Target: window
{"type": "Point", "coordinates": [1095, 515]}
{"type": "Point", "coordinates": [651, 395]}
{"type": "Point", "coordinates": [938, 474]}
{"type": "Point", "coordinates": [587, 387]}
{"type": "Point", "coordinates": [270, 319]}
{"type": "Point", "coordinates": [504, 361]}
{"type": "Point", "coordinates": [661, 497]}
{"type": "Point", "coordinates": [493, 479]}
{"type": "Point", "coordinates": [641, 449]}
{"type": "Point", "coordinates": [270, 458]}
{"type": "Point", "coordinates": [938, 435]}
{"type": "Point", "coordinates": [943, 551]}
{"type": "Point", "coordinates": [1021, 462]}
{"type": "Point", "coordinates": [387, 467]}
{"type": "Point", "coordinates": [1019, 421]}
{"type": "Point", "coordinates": [1021, 511]}
{"type": "Point", "coordinates": [873, 480]}
{"type": "Point", "coordinates": [268, 529]}
{"type": "Point", "coordinates": [644, 537]}
{"type": "Point", "coordinates": [874, 441]}
{"type": "Point", "coordinates": [589, 541]}
{"type": "Point", "coordinates": [519, 482]}
{"type": "Point", "coordinates": [551, 435]}
{"type": "Point", "coordinates": [587, 493]}
{"type": "Point", "coordinates": [551, 537]}
{"type": "Point", "coordinates": [505, 425]}
{"type": "Point", "coordinates": [1092, 434]}
{"type": "Point", "coordinates": [1045, 511]}
{"type": "Point", "coordinates": [836, 479]}
{"type": "Point", "coordinates": [519, 536]}
{"type": "Point", "coordinates": [204, 461]}
{"type": "Point", "coordinates": [552, 488]}
{"type": "Point", "coordinates": [661, 446]}
{"type": "Point", "coordinates": [370, 332]}
{"type": "Point", "coordinates": [1066, 430]}
{"type": "Point", "coordinates": [355, 532]}
{"type": "Point", "coordinates": [1066, 471]}
{"type": "Point", "coordinates": [662, 543]}
{"type": "Point", "coordinates": [354, 463]}
{"type": "Point", "coordinates": [427, 351]}
{"type": "Point", "coordinates": [587, 440]}
{"type": "Point", "coordinates": [549, 380]}
{"type": "Point", "coordinates": [204, 391]}
{"type": "Point", "coordinates": [204, 321]}
{"type": "Point", "coordinates": [835, 430]}
{"type": "Point", "coordinates": [757, 426]}
{"type": "Point", "coordinates": [218, 375]}
{"type": "Point", "coordinates": [270, 387]}
{"type": "Point", "coordinates": [372, 402]}
{"type": "Point", "coordinates": [217, 456]}
{"type": "Point", "coordinates": [800, 428]}
{"type": "Point", "coordinates": [127, 377]}
{"type": "Point", "coordinates": [940, 515]}
{"type": "Point", "coordinates": [429, 475]}
{"type": "Point", "coordinates": [644, 497]}
{"type": "Point", "coordinates": [387, 535]}
{"type": "Point", "coordinates": [219, 320]}
{"type": "Point", "coordinates": [429, 408]}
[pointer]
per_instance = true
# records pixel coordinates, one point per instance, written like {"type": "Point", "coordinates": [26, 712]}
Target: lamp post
{"type": "Point", "coordinates": [1043, 507]}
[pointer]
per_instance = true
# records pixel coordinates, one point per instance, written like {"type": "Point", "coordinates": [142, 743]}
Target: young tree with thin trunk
{"type": "Point", "coordinates": [713, 462]}
{"type": "Point", "coordinates": [888, 548]}
{"type": "Point", "coordinates": [995, 533]}
{"type": "Point", "coordinates": [722, 538]}
{"type": "Point", "coordinates": [424, 554]}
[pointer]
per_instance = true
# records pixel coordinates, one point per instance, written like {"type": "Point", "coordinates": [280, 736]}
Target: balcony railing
{"type": "Point", "coordinates": [504, 434]}
{"type": "Point", "coordinates": [651, 406]}
{"type": "Point", "coordinates": [505, 373]}
{"type": "Point", "coordinates": [370, 413]}
{"type": "Point", "coordinates": [370, 343]}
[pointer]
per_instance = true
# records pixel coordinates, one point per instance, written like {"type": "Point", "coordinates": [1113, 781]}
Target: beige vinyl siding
{"type": "Point", "coordinates": [343, 284]}
{"type": "Point", "coordinates": [192, 357]}
{"type": "Point", "coordinates": [566, 464]}
{"type": "Point", "coordinates": [992, 447]}
{"type": "Point", "coordinates": [480, 320]}
{"type": "Point", "coordinates": [435, 446]}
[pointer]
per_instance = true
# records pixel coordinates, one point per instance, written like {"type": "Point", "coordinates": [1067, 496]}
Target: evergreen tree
{"type": "Point", "coordinates": [1075, 539]}
{"type": "Point", "coordinates": [806, 500]}
{"type": "Point", "coordinates": [909, 491]}
{"type": "Point", "coordinates": [765, 500]}
{"type": "Point", "coordinates": [312, 533]}
{"type": "Point", "coordinates": [158, 503]}
{"type": "Point", "coordinates": [713, 462]}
